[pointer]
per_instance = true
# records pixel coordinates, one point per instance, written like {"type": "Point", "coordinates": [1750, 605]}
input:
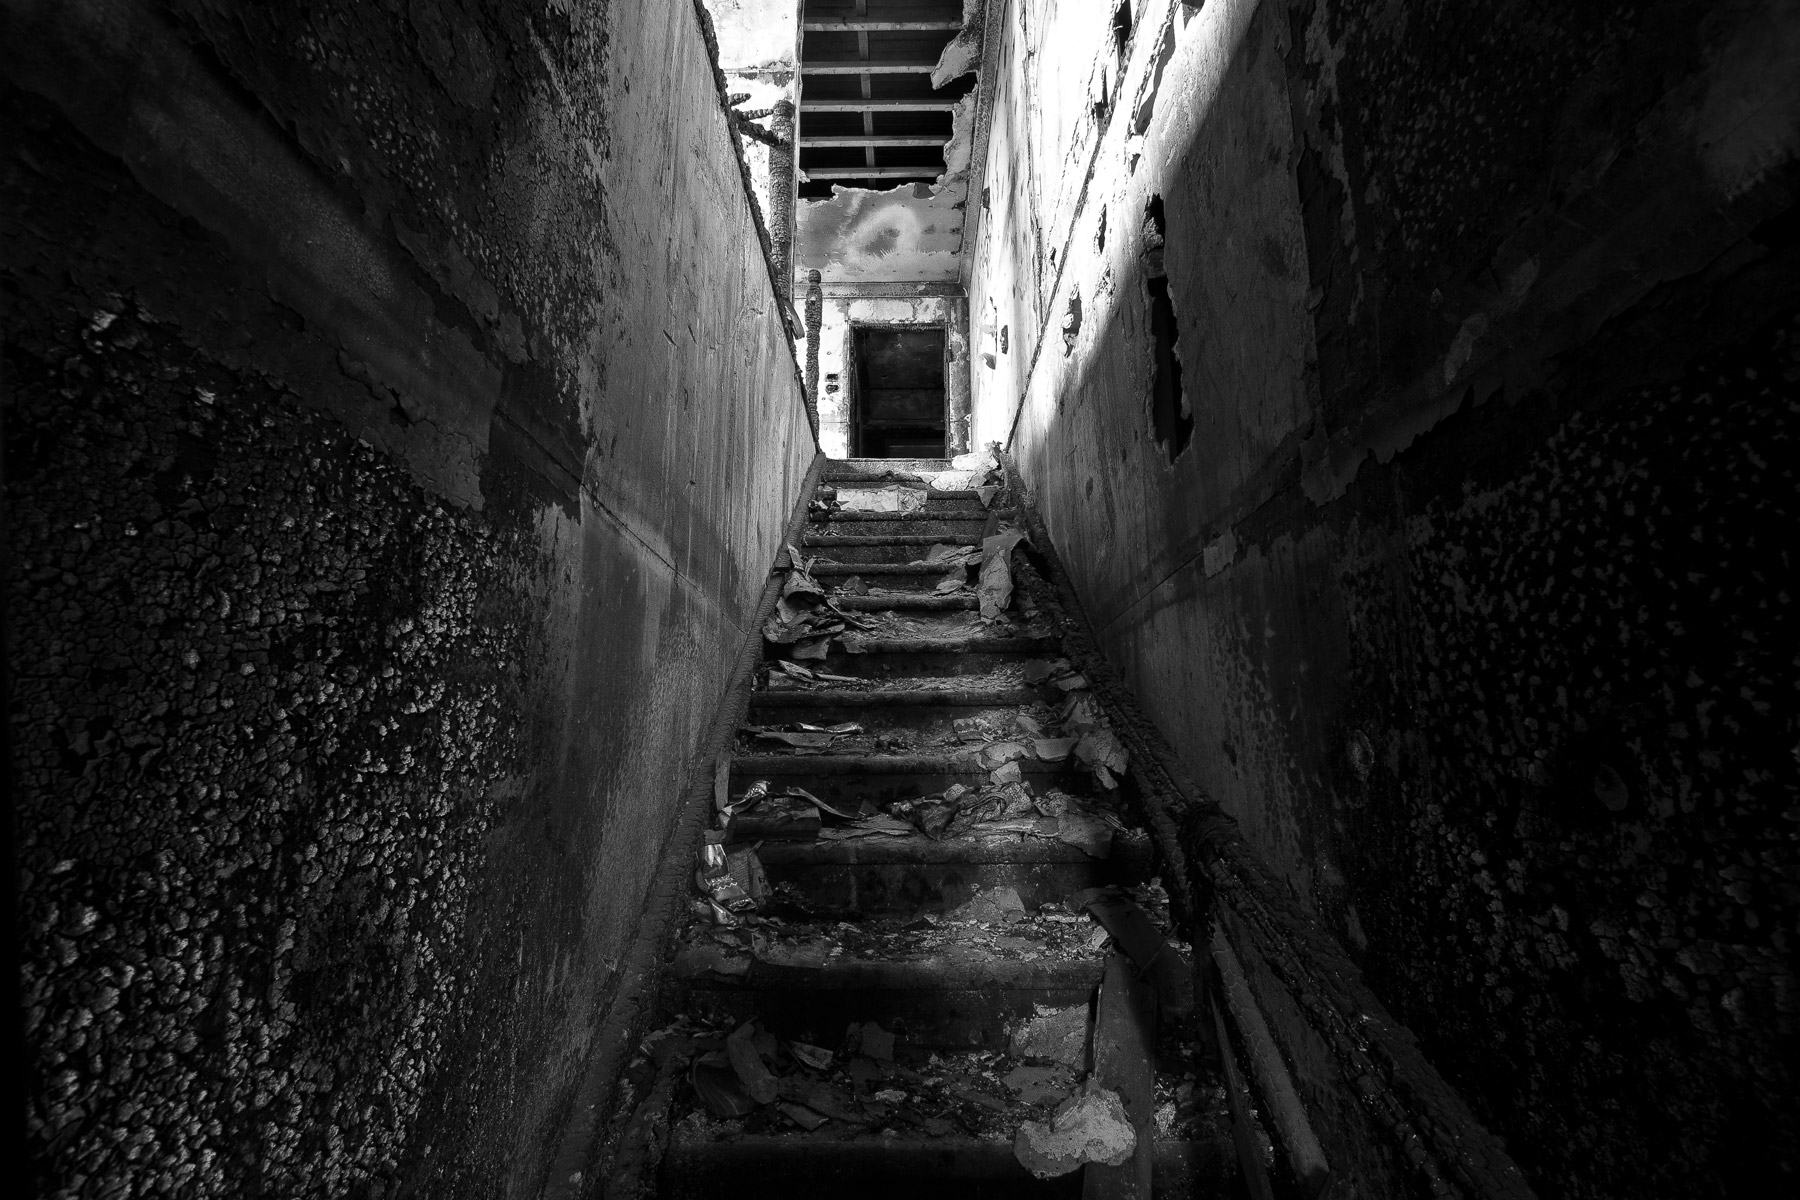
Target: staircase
{"type": "Point", "coordinates": [899, 1006]}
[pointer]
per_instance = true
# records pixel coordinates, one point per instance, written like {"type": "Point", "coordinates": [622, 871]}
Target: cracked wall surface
{"type": "Point", "coordinates": [1459, 599]}
{"type": "Point", "coordinates": [399, 428]}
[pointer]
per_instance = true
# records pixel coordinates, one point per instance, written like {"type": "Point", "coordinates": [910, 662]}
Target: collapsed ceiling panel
{"type": "Point", "coordinates": [887, 106]}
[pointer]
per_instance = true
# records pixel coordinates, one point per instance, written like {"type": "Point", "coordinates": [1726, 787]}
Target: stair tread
{"type": "Point", "coordinates": [896, 1160]}
{"type": "Point", "coordinates": [953, 951]}
{"type": "Point", "coordinates": [810, 538]}
{"type": "Point", "coordinates": [997, 847]}
{"type": "Point", "coordinates": [865, 763]}
{"type": "Point", "coordinates": [950, 696]}
{"type": "Point", "coordinates": [831, 570]}
{"type": "Point", "coordinates": [942, 950]}
{"type": "Point", "coordinates": [919, 515]}
{"type": "Point", "coordinates": [894, 601]}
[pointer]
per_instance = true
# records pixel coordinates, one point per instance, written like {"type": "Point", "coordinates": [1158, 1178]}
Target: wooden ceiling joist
{"type": "Point", "coordinates": [878, 140]}
{"type": "Point", "coordinates": [879, 104]}
{"type": "Point", "coordinates": [857, 67]}
{"type": "Point", "coordinates": [928, 172]}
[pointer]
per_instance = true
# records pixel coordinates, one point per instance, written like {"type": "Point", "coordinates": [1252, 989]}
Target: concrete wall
{"type": "Point", "coordinates": [1464, 596]}
{"type": "Point", "coordinates": [399, 431]}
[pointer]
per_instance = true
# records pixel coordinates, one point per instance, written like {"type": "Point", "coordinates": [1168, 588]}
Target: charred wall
{"type": "Point", "coordinates": [1465, 596]}
{"type": "Point", "coordinates": [399, 426]}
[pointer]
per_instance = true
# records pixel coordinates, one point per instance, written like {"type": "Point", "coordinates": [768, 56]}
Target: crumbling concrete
{"type": "Point", "coordinates": [364, 617]}
{"type": "Point", "coordinates": [1447, 598]}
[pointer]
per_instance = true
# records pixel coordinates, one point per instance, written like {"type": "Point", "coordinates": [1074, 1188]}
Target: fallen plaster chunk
{"type": "Point", "coordinates": [1090, 1126]}
{"type": "Point", "coordinates": [893, 498]}
{"type": "Point", "coordinates": [1059, 1035]}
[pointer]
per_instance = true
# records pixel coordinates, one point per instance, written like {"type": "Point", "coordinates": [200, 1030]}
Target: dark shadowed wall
{"type": "Point", "coordinates": [399, 430]}
{"type": "Point", "coordinates": [1463, 576]}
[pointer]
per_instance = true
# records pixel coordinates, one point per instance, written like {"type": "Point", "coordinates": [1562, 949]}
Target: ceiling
{"type": "Point", "coordinates": [869, 117]}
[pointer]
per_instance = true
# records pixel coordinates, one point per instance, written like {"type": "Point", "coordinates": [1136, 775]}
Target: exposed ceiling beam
{"type": "Point", "coordinates": [853, 67]}
{"type": "Point", "coordinates": [873, 172]}
{"type": "Point", "coordinates": [877, 25]}
{"type": "Point", "coordinates": [929, 104]}
{"type": "Point", "coordinates": [874, 139]}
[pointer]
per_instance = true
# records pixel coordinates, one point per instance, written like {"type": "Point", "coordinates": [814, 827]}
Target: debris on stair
{"type": "Point", "coordinates": [996, 587]}
{"type": "Point", "coordinates": [805, 617]}
{"type": "Point", "coordinates": [733, 881]}
{"type": "Point", "coordinates": [861, 884]}
{"type": "Point", "coordinates": [1104, 755]}
{"type": "Point", "coordinates": [1089, 1127]}
{"type": "Point", "coordinates": [894, 498]}
{"type": "Point", "coordinates": [1054, 1035]}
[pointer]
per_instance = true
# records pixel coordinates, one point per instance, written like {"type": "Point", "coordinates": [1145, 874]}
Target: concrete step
{"type": "Point", "coordinates": [863, 469]}
{"type": "Point", "coordinates": [961, 994]}
{"type": "Point", "coordinates": [909, 578]}
{"type": "Point", "coordinates": [974, 656]}
{"type": "Point", "coordinates": [888, 548]}
{"type": "Point", "coordinates": [937, 525]}
{"type": "Point", "coordinates": [916, 713]}
{"type": "Point", "coordinates": [912, 874]}
{"type": "Point", "coordinates": [958, 516]}
{"type": "Point", "coordinates": [880, 779]}
{"type": "Point", "coordinates": [848, 1162]}
{"type": "Point", "coordinates": [935, 500]}
{"type": "Point", "coordinates": [898, 601]}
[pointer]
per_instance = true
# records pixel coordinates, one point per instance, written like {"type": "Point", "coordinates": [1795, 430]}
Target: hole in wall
{"type": "Point", "coordinates": [1121, 26]}
{"type": "Point", "coordinates": [1170, 417]}
{"type": "Point", "coordinates": [1100, 232]}
{"type": "Point", "coordinates": [1147, 107]}
{"type": "Point", "coordinates": [1071, 326]}
{"type": "Point", "coordinates": [1005, 331]}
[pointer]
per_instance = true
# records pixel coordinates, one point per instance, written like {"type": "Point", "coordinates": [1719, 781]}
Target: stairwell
{"type": "Point", "coordinates": [955, 967]}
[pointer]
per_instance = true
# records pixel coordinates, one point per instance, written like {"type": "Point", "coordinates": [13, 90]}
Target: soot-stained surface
{"type": "Point", "coordinates": [267, 709]}
{"type": "Point", "coordinates": [366, 616]}
{"type": "Point", "coordinates": [1465, 596]}
{"type": "Point", "coordinates": [1583, 738]}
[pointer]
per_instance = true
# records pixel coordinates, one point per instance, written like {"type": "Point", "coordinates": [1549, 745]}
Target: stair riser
{"type": "Point", "coordinates": [907, 1169]}
{"type": "Point", "coordinates": [909, 553]}
{"type": "Point", "coordinates": [915, 664]}
{"type": "Point", "coordinates": [885, 789]}
{"type": "Point", "coordinates": [898, 889]}
{"type": "Point", "coordinates": [932, 722]}
{"type": "Point", "coordinates": [908, 585]}
{"type": "Point", "coordinates": [970, 523]}
{"type": "Point", "coordinates": [949, 1019]}
{"type": "Point", "coordinates": [935, 502]}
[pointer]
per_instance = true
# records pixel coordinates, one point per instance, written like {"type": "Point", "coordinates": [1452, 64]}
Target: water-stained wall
{"type": "Point", "coordinates": [1452, 569]}
{"type": "Point", "coordinates": [399, 430]}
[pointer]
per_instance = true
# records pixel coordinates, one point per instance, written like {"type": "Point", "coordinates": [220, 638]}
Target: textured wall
{"type": "Point", "coordinates": [1466, 596]}
{"type": "Point", "coordinates": [399, 429]}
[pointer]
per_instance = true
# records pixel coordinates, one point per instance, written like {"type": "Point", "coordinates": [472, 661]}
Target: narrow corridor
{"type": "Point", "coordinates": [920, 811]}
{"type": "Point", "coordinates": [484, 724]}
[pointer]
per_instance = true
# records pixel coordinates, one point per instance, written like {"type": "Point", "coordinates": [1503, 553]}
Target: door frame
{"type": "Point", "coordinates": [853, 375]}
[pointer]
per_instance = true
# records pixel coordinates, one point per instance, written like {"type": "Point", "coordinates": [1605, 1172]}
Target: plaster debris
{"type": "Point", "coordinates": [1090, 1127]}
{"type": "Point", "coordinates": [893, 498]}
{"type": "Point", "coordinates": [996, 586]}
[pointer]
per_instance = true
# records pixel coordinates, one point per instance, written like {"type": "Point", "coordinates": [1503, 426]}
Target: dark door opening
{"type": "Point", "coordinates": [899, 393]}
